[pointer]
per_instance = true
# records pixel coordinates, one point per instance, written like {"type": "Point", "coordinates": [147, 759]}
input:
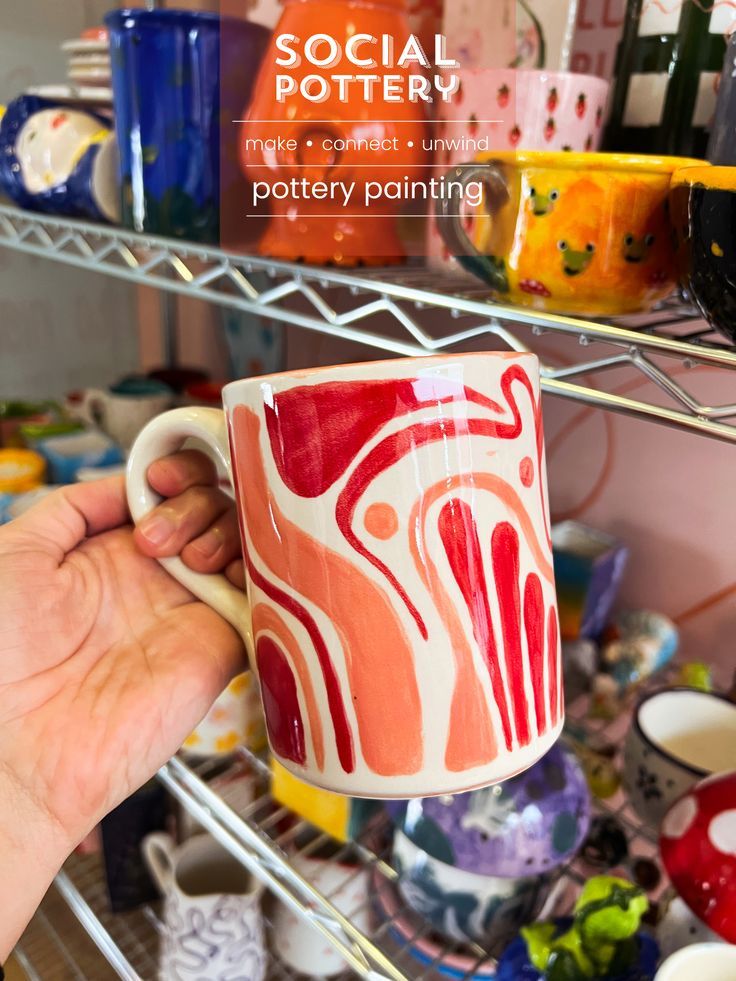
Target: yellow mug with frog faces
{"type": "Point", "coordinates": [583, 233]}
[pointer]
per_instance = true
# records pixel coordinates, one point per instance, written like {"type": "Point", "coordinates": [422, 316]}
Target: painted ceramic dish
{"type": "Point", "coordinates": [698, 846]}
{"type": "Point", "coordinates": [516, 966]}
{"type": "Point", "coordinates": [58, 160]}
{"type": "Point", "coordinates": [527, 825]}
{"type": "Point", "coordinates": [407, 935]}
{"type": "Point", "coordinates": [703, 206]}
{"type": "Point", "coordinates": [175, 76]}
{"type": "Point", "coordinates": [677, 737]}
{"type": "Point", "coordinates": [568, 232]}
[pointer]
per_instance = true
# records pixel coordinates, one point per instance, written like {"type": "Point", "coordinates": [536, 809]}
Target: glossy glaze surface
{"type": "Point", "coordinates": [324, 230]}
{"type": "Point", "coordinates": [698, 847]}
{"type": "Point", "coordinates": [175, 76]}
{"type": "Point", "coordinates": [396, 527]}
{"type": "Point", "coordinates": [703, 208]}
{"type": "Point", "coordinates": [575, 233]}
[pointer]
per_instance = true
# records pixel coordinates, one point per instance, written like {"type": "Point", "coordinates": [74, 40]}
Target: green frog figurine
{"type": "Point", "coordinates": [602, 941]}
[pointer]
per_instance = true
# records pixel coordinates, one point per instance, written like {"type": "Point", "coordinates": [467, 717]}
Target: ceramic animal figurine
{"type": "Point", "coordinates": [600, 942]}
{"type": "Point", "coordinates": [58, 160]}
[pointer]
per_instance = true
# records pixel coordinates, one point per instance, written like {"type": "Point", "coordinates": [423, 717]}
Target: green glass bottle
{"type": "Point", "coordinates": [667, 70]}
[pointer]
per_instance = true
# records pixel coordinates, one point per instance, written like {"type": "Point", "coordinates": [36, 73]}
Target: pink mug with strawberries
{"type": "Point", "coordinates": [516, 109]}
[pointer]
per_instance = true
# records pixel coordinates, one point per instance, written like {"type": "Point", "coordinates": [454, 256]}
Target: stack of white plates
{"type": "Point", "coordinates": [88, 73]}
{"type": "Point", "coordinates": [88, 60]}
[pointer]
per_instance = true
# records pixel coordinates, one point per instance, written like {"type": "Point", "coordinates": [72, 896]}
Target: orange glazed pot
{"type": "Point", "coordinates": [346, 141]}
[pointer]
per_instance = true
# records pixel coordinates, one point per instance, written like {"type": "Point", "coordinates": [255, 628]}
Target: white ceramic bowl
{"type": "Point", "coordinates": [677, 737]}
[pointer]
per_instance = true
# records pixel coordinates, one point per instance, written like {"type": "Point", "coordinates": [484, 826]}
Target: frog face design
{"type": "Point", "coordinates": [637, 249]}
{"type": "Point", "coordinates": [540, 203]}
{"type": "Point", "coordinates": [575, 261]}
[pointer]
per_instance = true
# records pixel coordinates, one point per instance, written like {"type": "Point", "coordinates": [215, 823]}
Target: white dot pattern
{"type": "Point", "coordinates": [680, 818]}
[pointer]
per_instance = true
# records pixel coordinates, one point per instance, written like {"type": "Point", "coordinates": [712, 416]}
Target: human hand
{"type": "Point", "coordinates": [107, 662]}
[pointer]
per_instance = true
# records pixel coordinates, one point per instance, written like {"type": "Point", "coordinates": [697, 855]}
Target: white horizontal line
{"type": "Point", "coordinates": [368, 122]}
{"type": "Point", "coordinates": [366, 214]}
{"type": "Point", "coordinates": [349, 166]}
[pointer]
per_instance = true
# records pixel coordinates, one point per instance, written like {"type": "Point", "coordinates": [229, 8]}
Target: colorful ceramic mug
{"type": "Point", "coordinates": [57, 159]}
{"type": "Point", "coordinates": [509, 109]}
{"type": "Point", "coordinates": [568, 232]}
{"type": "Point", "coordinates": [703, 207]}
{"type": "Point", "coordinates": [698, 847]}
{"type": "Point", "coordinates": [677, 737]}
{"type": "Point", "coordinates": [402, 616]}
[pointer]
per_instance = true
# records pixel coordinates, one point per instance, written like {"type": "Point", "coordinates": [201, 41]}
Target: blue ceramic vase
{"type": "Point", "coordinates": [58, 160]}
{"type": "Point", "coordinates": [179, 79]}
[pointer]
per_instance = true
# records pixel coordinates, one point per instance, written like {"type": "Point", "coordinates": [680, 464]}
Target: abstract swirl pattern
{"type": "Point", "coordinates": [396, 529]}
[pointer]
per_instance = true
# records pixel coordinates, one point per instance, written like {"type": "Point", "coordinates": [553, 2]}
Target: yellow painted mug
{"type": "Point", "coordinates": [584, 233]}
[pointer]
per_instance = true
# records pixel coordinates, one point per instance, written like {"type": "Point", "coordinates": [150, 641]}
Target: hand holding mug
{"type": "Point", "coordinates": [108, 663]}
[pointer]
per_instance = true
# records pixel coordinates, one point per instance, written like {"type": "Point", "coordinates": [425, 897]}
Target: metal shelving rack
{"type": "Point", "coordinates": [266, 837]}
{"type": "Point", "coordinates": [406, 311]}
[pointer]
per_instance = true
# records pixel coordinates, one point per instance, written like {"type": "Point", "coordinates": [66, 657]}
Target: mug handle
{"type": "Point", "coordinates": [158, 850]}
{"type": "Point", "coordinates": [93, 399]}
{"type": "Point", "coordinates": [160, 437]}
{"type": "Point", "coordinates": [449, 216]}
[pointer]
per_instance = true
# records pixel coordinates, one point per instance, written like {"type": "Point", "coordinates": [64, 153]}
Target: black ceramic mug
{"type": "Point", "coordinates": [722, 143]}
{"type": "Point", "coordinates": [703, 214]}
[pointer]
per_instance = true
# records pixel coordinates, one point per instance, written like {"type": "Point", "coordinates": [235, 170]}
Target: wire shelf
{"type": "Point", "coordinates": [75, 937]}
{"type": "Point", "coordinates": [411, 311]}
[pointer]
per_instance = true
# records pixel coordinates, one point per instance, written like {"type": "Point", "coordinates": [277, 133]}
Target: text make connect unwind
{"type": "Point", "coordinates": [365, 52]}
{"type": "Point", "coordinates": [431, 189]}
{"type": "Point", "coordinates": [351, 144]}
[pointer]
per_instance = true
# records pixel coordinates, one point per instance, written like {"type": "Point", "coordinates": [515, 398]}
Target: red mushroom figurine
{"type": "Point", "coordinates": [698, 846]}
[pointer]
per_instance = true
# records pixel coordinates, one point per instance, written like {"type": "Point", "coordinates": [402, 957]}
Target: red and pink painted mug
{"type": "Point", "coordinates": [400, 612]}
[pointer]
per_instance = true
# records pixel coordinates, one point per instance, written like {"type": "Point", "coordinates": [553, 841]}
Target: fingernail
{"type": "Point", "coordinates": [158, 529]}
{"type": "Point", "coordinates": [209, 543]}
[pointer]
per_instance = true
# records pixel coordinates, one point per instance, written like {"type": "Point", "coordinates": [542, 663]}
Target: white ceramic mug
{"type": "Point", "coordinates": [121, 415]}
{"type": "Point", "coordinates": [213, 926]}
{"type": "Point", "coordinates": [700, 962]}
{"type": "Point", "coordinates": [401, 611]}
{"type": "Point", "coordinates": [296, 942]}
